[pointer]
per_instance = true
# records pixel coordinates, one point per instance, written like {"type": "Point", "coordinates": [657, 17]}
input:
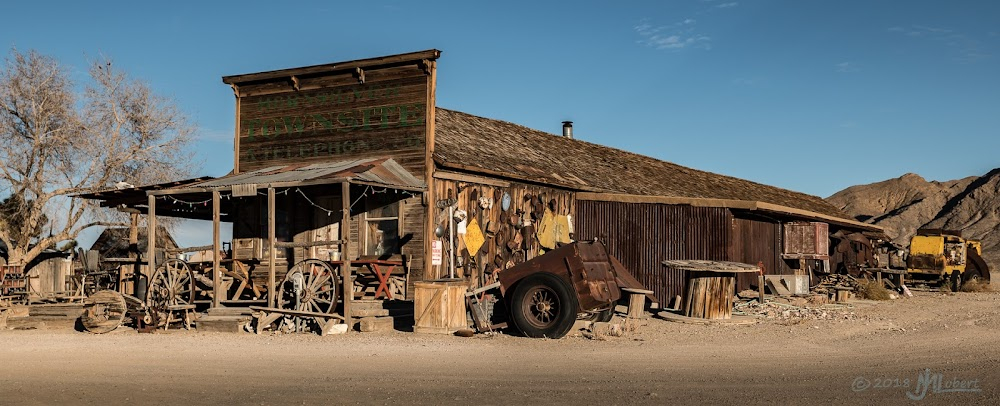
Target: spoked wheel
{"type": "Point", "coordinates": [543, 305]}
{"type": "Point", "coordinates": [171, 286]}
{"type": "Point", "coordinates": [310, 286]}
{"type": "Point", "coordinates": [105, 311]}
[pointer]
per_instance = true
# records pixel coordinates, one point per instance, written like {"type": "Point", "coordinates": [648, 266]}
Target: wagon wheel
{"type": "Point", "coordinates": [310, 286]}
{"type": "Point", "coordinates": [105, 311]}
{"type": "Point", "coordinates": [170, 286]}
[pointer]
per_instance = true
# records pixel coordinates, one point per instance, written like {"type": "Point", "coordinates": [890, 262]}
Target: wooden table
{"type": "Point", "coordinates": [709, 286]}
{"type": "Point", "coordinates": [382, 269]}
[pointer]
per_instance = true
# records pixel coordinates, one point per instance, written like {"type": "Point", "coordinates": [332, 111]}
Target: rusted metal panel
{"type": "Point", "coordinates": [643, 235]}
{"type": "Point", "coordinates": [808, 240]}
{"type": "Point", "coordinates": [585, 265]}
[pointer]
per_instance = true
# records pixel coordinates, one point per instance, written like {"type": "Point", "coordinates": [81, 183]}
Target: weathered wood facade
{"type": "Point", "coordinates": [373, 108]}
{"type": "Point", "coordinates": [520, 190]}
{"type": "Point", "coordinates": [510, 235]}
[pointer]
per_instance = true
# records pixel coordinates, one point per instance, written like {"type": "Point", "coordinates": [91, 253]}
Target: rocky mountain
{"type": "Point", "coordinates": [904, 204]}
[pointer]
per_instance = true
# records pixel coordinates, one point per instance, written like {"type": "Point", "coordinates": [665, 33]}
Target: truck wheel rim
{"type": "Point", "coordinates": [541, 306]}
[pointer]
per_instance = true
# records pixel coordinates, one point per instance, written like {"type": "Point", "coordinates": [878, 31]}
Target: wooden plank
{"type": "Point", "coordinates": [271, 242]}
{"type": "Point", "coordinates": [333, 67]}
{"type": "Point", "coordinates": [521, 177]}
{"type": "Point", "coordinates": [190, 249]}
{"type": "Point", "coordinates": [347, 289]}
{"type": "Point", "coordinates": [306, 244]}
{"type": "Point", "coordinates": [429, 152]}
{"type": "Point", "coordinates": [151, 234]}
{"type": "Point", "coordinates": [236, 131]}
{"type": "Point", "coordinates": [776, 287]}
{"type": "Point", "coordinates": [216, 272]}
{"type": "Point", "coordinates": [461, 177]}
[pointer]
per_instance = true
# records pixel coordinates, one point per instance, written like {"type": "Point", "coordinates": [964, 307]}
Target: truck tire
{"type": "Point", "coordinates": [976, 268]}
{"type": "Point", "coordinates": [543, 306]}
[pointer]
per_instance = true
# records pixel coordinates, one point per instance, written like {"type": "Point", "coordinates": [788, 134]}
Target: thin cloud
{"type": "Point", "coordinates": [967, 48]}
{"type": "Point", "coordinates": [728, 5]}
{"type": "Point", "coordinates": [675, 36]}
{"type": "Point", "coordinates": [847, 67]}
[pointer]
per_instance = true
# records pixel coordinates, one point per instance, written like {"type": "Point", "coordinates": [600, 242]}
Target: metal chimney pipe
{"type": "Point", "coordinates": [568, 129]}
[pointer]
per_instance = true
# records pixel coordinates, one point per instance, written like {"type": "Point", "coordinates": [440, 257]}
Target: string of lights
{"type": "Point", "coordinates": [369, 191]}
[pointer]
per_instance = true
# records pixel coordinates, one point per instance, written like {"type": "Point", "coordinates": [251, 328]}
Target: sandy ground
{"type": "Point", "coordinates": [875, 356]}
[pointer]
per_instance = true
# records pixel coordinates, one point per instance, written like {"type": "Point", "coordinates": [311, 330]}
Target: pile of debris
{"type": "Point", "coordinates": [781, 311]}
{"type": "Point", "coordinates": [830, 283]}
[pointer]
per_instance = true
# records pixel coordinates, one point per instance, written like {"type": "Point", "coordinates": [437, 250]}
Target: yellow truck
{"type": "Point", "coordinates": [943, 255]}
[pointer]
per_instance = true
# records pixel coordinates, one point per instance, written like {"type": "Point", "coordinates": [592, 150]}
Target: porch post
{"type": "Point", "coordinates": [151, 236]}
{"type": "Point", "coordinates": [216, 272]}
{"type": "Point", "coordinates": [271, 241]}
{"type": "Point", "coordinates": [345, 268]}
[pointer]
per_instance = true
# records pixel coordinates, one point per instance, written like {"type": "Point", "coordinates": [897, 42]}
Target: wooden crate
{"type": "Point", "coordinates": [439, 306]}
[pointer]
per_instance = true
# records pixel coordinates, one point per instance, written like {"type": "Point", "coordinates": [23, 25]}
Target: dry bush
{"type": "Point", "coordinates": [977, 285]}
{"type": "Point", "coordinates": [872, 290]}
{"type": "Point", "coordinates": [945, 286]}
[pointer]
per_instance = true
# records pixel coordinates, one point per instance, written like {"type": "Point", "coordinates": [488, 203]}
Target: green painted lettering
{"type": "Point", "coordinates": [347, 121]}
{"type": "Point", "coordinates": [293, 124]}
{"type": "Point", "coordinates": [384, 113]}
{"type": "Point", "coordinates": [269, 128]}
{"type": "Point", "coordinates": [251, 125]}
{"type": "Point", "coordinates": [323, 121]}
{"type": "Point", "coordinates": [366, 117]}
{"type": "Point", "coordinates": [405, 113]}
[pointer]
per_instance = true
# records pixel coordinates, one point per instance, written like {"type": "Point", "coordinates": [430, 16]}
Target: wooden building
{"type": "Point", "coordinates": [354, 160]}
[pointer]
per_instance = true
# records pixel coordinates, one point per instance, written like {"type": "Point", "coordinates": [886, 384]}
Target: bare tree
{"type": "Point", "coordinates": [55, 142]}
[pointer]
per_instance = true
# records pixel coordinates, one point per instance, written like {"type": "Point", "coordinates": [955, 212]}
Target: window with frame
{"type": "Point", "coordinates": [381, 231]}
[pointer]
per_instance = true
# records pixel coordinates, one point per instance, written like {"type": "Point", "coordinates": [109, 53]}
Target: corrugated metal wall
{"type": "Point", "coordinates": [643, 235]}
{"type": "Point", "coordinates": [755, 241]}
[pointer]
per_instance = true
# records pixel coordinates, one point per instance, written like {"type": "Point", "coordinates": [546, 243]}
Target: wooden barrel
{"type": "Point", "coordinates": [439, 306]}
{"type": "Point", "coordinates": [709, 295]}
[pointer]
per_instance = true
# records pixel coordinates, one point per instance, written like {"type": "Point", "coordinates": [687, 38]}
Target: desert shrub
{"type": "Point", "coordinates": [872, 290]}
{"type": "Point", "coordinates": [976, 285]}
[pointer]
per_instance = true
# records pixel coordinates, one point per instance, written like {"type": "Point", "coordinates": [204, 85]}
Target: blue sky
{"type": "Point", "coordinates": [812, 96]}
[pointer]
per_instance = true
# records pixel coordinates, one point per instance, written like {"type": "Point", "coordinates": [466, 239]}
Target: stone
{"type": "Point", "coordinates": [373, 324]}
{"type": "Point", "coordinates": [340, 328]}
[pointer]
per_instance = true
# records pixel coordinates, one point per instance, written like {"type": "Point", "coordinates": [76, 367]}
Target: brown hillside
{"type": "Point", "coordinates": [904, 204]}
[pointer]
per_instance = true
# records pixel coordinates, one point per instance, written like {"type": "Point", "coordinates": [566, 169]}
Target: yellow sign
{"type": "Point", "coordinates": [474, 238]}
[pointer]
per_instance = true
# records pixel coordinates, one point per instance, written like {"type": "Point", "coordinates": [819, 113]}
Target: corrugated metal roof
{"type": "Point", "coordinates": [380, 171]}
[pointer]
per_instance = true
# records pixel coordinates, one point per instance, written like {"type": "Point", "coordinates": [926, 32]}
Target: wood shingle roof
{"type": "Point", "coordinates": [471, 143]}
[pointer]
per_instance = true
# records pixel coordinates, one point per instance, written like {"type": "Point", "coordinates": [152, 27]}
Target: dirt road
{"type": "Point", "coordinates": [903, 344]}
